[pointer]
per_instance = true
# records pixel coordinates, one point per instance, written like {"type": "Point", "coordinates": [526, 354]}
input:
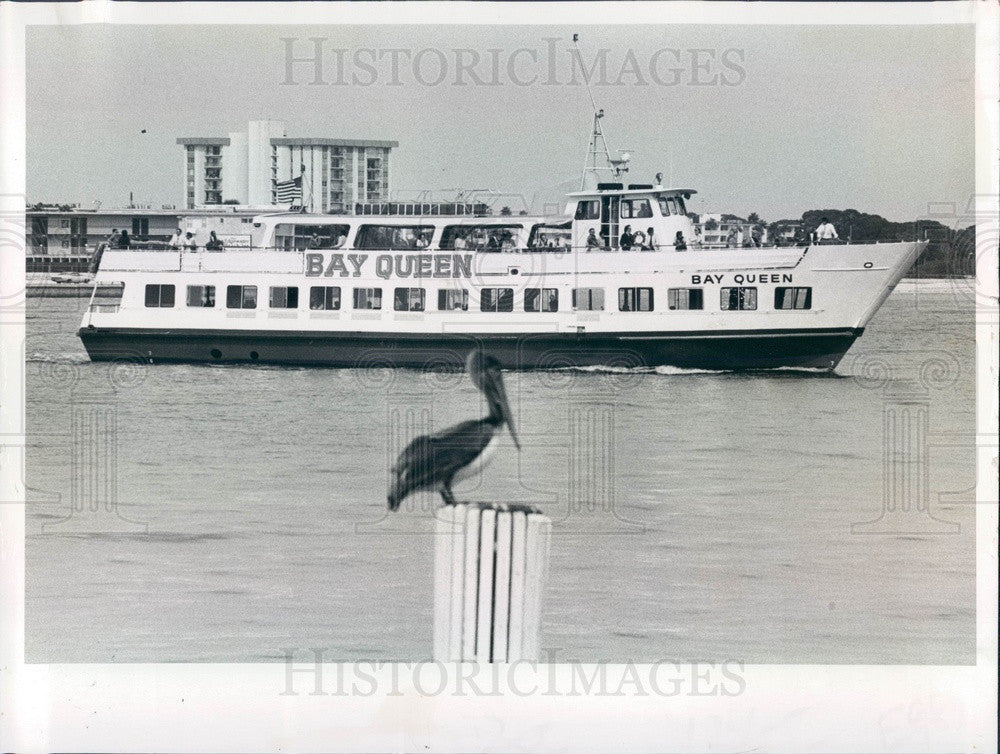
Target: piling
{"type": "Point", "coordinates": [490, 568]}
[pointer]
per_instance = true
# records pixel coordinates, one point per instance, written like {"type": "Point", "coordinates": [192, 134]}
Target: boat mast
{"type": "Point", "coordinates": [598, 150]}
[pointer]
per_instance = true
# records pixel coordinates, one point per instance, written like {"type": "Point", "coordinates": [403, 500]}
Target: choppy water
{"type": "Point", "coordinates": [718, 524]}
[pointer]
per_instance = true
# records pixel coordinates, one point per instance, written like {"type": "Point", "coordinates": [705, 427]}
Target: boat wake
{"type": "Point", "coordinates": [69, 357]}
{"type": "Point", "coordinates": [670, 371]}
{"type": "Point", "coordinates": [611, 369]}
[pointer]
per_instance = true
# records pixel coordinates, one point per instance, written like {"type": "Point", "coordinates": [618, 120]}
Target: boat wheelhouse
{"type": "Point", "coordinates": [620, 280]}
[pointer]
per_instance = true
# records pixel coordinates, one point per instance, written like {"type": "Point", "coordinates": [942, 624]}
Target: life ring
{"type": "Point", "coordinates": [639, 238]}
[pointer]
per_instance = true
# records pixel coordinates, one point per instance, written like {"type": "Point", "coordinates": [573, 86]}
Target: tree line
{"type": "Point", "coordinates": [950, 252]}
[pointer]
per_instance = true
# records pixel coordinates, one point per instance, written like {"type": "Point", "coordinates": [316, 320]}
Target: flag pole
{"type": "Point", "coordinates": [302, 193]}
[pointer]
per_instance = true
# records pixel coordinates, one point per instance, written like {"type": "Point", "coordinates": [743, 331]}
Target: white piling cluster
{"type": "Point", "coordinates": [490, 565]}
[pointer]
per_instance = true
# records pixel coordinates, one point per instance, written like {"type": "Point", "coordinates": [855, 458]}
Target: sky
{"type": "Point", "coordinates": [768, 119]}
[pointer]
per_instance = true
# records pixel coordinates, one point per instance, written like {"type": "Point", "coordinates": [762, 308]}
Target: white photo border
{"type": "Point", "coordinates": [242, 707]}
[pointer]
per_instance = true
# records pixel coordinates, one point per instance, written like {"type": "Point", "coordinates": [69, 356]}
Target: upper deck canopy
{"type": "Point", "coordinates": [658, 190]}
{"type": "Point", "coordinates": [312, 219]}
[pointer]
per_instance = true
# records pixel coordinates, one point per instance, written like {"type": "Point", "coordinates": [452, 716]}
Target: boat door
{"type": "Point", "coordinates": [609, 220]}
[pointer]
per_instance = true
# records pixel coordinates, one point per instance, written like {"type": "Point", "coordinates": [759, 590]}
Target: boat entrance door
{"type": "Point", "coordinates": [609, 220]}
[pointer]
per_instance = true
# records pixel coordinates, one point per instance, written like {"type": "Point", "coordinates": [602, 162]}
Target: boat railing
{"type": "Point", "coordinates": [663, 248]}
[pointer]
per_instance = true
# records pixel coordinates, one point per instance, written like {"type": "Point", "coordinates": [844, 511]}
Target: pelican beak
{"type": "Point", "coordinates": [497, 394]}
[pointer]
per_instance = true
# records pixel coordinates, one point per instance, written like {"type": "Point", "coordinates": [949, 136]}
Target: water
{"type": "Point", "coordinates": [251, 505]}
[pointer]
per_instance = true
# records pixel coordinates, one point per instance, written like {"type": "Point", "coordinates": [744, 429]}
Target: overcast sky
{"type": "Point", "coordinates": [772, 119]}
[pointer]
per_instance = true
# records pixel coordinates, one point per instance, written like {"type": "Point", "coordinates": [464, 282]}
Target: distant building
{"type": "Point", "coordinates": [788, 231]}
{"type": "Point", "coordinates": [719, 230]}
{"type": "Point", "coordinates": [62, 238]}
{"type": "Point", "coordinates": [263, 166]}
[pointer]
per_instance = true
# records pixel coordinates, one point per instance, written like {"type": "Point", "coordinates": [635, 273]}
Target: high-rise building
{"type": "Point", "coordinates": [263, 166]}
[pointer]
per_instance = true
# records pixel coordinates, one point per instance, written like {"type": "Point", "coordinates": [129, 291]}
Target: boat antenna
{"type": "Point", "coordinates": [597, 146]}
{"type": "Point", "coordinates": [586, 79]}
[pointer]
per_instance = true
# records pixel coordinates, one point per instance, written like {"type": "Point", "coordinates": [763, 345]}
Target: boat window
{"type": "Point", "coordinates": [367, 298]}
{"type": "Point", "coordinates": [481, 237]}
{"type": "Point", "coordinates": [324, 297]}
{"type": "Point", "coordinates": [541, 299]}
{"type": "Point", "coordinates": [635, 299]}
{"type": "Point", "coordinates": [551, 236]}
{"type": "Point", "coordinates": [588, 299]}
{"type": "Point", "coordinates": [284, 298]}
{"type": "Point", "coordinates": [450, 300]}
{"type": "Point", "coordinates": [395, 237]}
{"type": "Point", "coordinates": [241, 297]}
{"type": "Point", "coordinates": [635, 208]}
{"type": "Point", "coordinates": [672, 205]}
{"type": "Point", "coordinates": [738, 298]}
{"type": "Point", "coordinates": [201, 295]}
{"type": "Point", "coordinates": [588, 210]}
{"type": "Point", "coordinates": [296, 237]}
{"type": "Point", "coordinates": [409, 299]}
{"type": "Point", "coordinates": [685, 298]}
{"type": "Point", "coordinates": [496, 299]}
{"type": "Point", "coordinates": [793, 298]}
{"type": "Point", "coordinates": [159, 296]}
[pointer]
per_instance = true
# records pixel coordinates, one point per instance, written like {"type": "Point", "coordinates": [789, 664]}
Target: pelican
{"type": "Point", "coordinates": [435, 462]}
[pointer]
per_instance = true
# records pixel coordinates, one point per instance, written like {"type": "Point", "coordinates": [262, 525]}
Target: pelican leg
{"type": "Point", "coordinates": [449, 498]}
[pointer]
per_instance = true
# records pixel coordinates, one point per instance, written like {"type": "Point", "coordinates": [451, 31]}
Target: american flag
{"type": "Point", "coordinates": [289, 191]}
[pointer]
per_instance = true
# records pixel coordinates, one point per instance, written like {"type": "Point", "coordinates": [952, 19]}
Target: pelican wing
{"type": "Point", "coordinates": [430, 460]}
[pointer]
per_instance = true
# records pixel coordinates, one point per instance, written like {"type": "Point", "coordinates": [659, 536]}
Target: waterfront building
{"type": "Point", "coordinates": [264, 166]}
{"type": "Point", "coordinates": [63, 238]}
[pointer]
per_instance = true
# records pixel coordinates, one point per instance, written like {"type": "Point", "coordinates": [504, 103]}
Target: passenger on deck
{"type": "Point", "coordinates": [593, 242]}
{"type": "Point", "coordinates": [650, 244]}
{"type": "Point", "coordinates": [679, 243]}
{"type": "Point", "coordinates": [113, 239]}
{"type": "Point", "coordinates": [124, 242]}
{"type": "Point", "coordinates": [627, 239]}
{"type": "Point", "coordinates": [213, 244]}
{"type": "Point", "coordinates": [189, 241]}
{"type": "Point", "coordinates": [177, 239]}
{"type": "Point", "coordinates": [826, 231]}
{"type": "Point", "coordinates": [507, 243]}
{"type": "Point", "coordinates": [315, 242]}
{"type": "Point", "coordinates": [421, 242]}
{"type": "Point", "coordinates": [460, 243]}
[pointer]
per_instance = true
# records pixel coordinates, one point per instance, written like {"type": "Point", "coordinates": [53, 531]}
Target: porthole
{"type": "Point", "coordinates": [216, 353]}
{"type": "Point", "coordinates": [254, 356]}
{"type": "Point", "coordinates": [869, 265]}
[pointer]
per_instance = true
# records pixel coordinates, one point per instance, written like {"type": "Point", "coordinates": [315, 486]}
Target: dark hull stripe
{"type": "Point", "coordinates": [746, 349]}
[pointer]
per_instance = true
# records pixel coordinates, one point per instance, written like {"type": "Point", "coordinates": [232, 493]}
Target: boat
{"type": "Point", "coordinates": [621, 279]}
{"type": "Point", "coordinates": [420, 291]}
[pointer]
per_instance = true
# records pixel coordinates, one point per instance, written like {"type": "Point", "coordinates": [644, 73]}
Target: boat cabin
{"type": "Point", "coordinates": [643, 210]}
{"type": "Point", "coordinates": [296, 232]}
{"type": "Point", "coordinates": [609, 212]}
